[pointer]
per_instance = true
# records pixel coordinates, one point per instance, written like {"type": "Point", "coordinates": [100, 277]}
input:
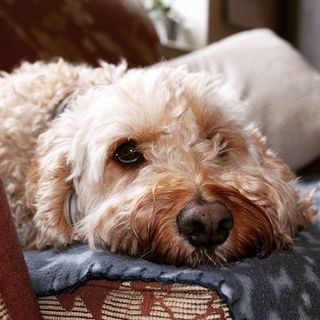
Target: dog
{"type": "Point", "coordinates": [154, 163]}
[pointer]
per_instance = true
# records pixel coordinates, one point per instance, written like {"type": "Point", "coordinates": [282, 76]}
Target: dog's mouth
{"type": "Point", "coordinates": [185, 231]}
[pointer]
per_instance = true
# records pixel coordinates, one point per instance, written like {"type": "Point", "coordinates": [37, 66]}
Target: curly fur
{"type": "Point", "coordinates": [194, 142]}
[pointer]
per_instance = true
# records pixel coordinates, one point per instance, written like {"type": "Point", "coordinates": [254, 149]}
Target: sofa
{"type": "Point", "coordinates": [283, 100]}
{"type": "Point", "coordinates": [78, 31]}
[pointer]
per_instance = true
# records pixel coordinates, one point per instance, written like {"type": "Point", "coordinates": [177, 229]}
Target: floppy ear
{"type": "Point", "coordinates": [55, 172]}
{"type": "Point", "coordinates": [268, 159]}
{"type": "Point", "coordinates": [297, 208]}
{"type": "Point", "coordinates": [48, 191]}
{"type": "Point", "coordinates": [48, 186]}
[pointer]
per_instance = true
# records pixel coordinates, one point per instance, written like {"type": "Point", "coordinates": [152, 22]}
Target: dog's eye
{"type": "Point", "coordinates": [128, 153]}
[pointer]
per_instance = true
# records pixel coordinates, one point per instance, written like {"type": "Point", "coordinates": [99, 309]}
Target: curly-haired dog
{"type": "Point", "coordinates": [151, 162]}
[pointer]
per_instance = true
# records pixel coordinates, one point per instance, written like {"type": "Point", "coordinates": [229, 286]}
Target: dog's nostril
{"type": "Point", "coordinates": [222, 231]}
{"type": "Point", "coordinates": [196, 232]}
{"type": "Point", "coordinates": [205, 224]}
{"type": "Point", "coordinates": [225, 224]}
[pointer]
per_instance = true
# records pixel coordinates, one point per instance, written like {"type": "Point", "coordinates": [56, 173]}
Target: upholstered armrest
{"type": "Point", "coordinates": [17, 299]}
{"type": "Point", "coordinates": [79, 31]}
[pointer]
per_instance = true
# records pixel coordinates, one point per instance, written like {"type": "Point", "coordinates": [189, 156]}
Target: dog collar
{"type": "Point", "coordinates": [65, 101]}
{"type": "Point", "coordinates": [61, 106]}
{"type": "Point", "coordinates": [71, 212]}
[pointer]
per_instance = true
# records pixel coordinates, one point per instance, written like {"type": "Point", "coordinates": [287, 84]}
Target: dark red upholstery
{"type": "Point", "coordinates": [79, 31]}
{"type": "Point", "coordinates": [15, 284]}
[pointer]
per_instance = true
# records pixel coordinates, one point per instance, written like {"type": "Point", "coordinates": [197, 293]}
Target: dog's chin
{"type": "Point", "coordinates": [154, 234]}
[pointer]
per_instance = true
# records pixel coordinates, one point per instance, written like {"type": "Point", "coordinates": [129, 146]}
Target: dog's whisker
{"type": "Point", "coordinates": [208, 256]}
{"type": "Point", "coordinates": [145, 254]}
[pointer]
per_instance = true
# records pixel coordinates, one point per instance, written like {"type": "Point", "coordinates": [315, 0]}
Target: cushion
{"type": "Point", "coordinates": [108, 299]}
{"type": "Point", "coordinates": [281, 88]}
{"type": "Point", "coordinates": [284, 285]}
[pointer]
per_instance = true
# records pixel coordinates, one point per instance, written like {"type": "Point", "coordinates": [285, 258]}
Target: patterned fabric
{"type": "Point", "coordinates": [103, 299]}
{"type": "Point", "coordinates": [4, 314]}
{"type": "Point", "coordinates": [80, 31]}
{"type": "Point", "coordinates": [283, 286]}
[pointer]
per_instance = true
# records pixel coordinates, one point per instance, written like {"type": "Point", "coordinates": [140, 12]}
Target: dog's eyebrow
{"type": "Point", "coordinates": [171, 128]}
{"type": "Point", "coordinates": [177, 123]}
{"type": "Point", "coordinates": [99, 85]}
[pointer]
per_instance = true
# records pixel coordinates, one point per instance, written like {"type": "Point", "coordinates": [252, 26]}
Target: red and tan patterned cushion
{"type": "Point", "coordinates": [104, 299]}
{"type": "Point", "coordinates": [79, 31]}
{"type": "Point", "coordinates": [4, 314]}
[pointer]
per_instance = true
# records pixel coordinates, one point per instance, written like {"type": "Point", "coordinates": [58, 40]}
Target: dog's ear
{"type": "Point", "coordinates": [55, 172]}
{"type": "Point", "coordinates": [296, 209]}
{"type": "Point", "coordinates": [49, 188]}
{"type": "Point", "coordinates": [268, 159]}
{"type": "Point", "coordinates": [48, 191]}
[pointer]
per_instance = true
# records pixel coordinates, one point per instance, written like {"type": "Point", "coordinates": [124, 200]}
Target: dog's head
{"type": "Point", "coordinates": [161, 166]}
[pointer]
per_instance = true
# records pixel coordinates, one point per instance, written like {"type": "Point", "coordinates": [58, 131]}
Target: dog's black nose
{"type": "Point", "coordinates": [205, 224]}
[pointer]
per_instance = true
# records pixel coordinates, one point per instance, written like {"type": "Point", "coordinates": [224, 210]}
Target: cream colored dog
{"type": "Point", "coordinates": [149, 162]}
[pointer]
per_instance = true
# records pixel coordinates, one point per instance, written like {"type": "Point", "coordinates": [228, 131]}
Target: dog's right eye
{"type": "Point", "coordinates": [127, 153]}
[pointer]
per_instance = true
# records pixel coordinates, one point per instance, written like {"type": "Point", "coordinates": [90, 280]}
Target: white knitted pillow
{"type": "Point", "coordinates": [282, 89]}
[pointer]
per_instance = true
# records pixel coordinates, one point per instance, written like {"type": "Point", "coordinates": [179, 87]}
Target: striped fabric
{"type": "Point", "coordinates": [104, 299]}
{"type": "Point", "coordinates": [4, 315]}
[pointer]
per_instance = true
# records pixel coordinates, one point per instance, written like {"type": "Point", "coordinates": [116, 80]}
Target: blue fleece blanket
{"type": "Point", "coordinates": [285, 285]}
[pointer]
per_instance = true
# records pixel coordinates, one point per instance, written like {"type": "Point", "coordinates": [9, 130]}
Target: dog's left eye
{"type": "Point", "coordinates": [128, 153]}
